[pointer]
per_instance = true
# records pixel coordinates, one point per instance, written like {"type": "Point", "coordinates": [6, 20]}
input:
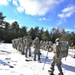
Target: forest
{"type": "Point", "coordinates": [10, 31]}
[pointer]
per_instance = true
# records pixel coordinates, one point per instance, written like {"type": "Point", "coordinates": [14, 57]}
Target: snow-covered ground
{"type": "Point", "coordinates": [12, 62]}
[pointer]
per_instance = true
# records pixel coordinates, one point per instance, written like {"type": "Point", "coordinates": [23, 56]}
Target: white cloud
{"type": "Point", "coordinates": [15, 2]}
{"type": "Point", "coordinates": [20, 9]}
{"type": "Point", "coordinates": [3, 2]}
{"type": "Point", "coordinates": [61, 21]}
{"type": "Point", "coordinates": [67, 12]}
{"type": "Point", "coordinates": [33, 7]}
{"type": "Point", "coordinates": [37, 7]}
{"type": "Point", "coordinates": [42, 19]}
{"type": "Point", "coordinates": [71, 30]}
{"type": "Point", "coordinates": [11, 21]}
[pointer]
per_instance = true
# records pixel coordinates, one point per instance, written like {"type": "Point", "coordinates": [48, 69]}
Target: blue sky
{"type": "Point", "coordinates": [43, 13]}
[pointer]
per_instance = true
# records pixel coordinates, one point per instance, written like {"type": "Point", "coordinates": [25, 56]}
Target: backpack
{"type": "Point", "coordinates": [36, 43]}
{"type": "Point", "coordinates": [28, 40]}
{"type": "Point", "coordinates": [64, 46]}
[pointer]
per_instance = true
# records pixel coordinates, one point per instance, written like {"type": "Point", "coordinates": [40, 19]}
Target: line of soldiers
{"type": "Point", "coordinates": [25, 43]}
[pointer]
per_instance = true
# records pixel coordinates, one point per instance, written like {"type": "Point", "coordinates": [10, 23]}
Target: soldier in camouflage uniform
{"type": "Point", "coordinates": [56, 59]}
{"type": "Point", "coordinates": [36, 44]}
{"type": "Point", "coordinates": [28, 45]}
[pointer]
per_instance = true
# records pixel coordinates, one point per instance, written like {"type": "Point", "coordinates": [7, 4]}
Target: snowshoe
{"type": "Point", "coordinates": [11, 66]}
{"type": "Point", "coordinates": [28, 59]}
{"type": "Point", "coordinates": [50, 72]}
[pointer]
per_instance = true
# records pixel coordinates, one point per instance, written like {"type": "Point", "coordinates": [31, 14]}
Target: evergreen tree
{"type": "Point", "coordinates": [2, 23]}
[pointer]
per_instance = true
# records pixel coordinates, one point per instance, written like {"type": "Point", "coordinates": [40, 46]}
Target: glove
{"type": "Point", "coordinates": [46, 57]}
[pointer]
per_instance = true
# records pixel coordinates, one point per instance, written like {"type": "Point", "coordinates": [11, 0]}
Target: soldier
{"type": "Point", "coordinates": [56, 59]}
{"type": "Point", "coordinates": [36, 44]}
{"type": "Point", "coordinates": [28, 45]}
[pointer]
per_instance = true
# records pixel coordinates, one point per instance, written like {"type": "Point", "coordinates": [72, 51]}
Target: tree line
{"type": "Point", "coordinates": [11, 31]}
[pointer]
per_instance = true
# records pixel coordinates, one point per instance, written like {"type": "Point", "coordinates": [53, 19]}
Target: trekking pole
{"type": "Point", "coordinates": [45, 61]}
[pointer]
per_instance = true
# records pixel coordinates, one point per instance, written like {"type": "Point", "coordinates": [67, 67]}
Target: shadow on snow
{"type": "Point", "coordinates": [68, 67]}
{"type": "Point", "coordinates": [45, 59]}
{"type": "Point", "coordinates": [6, 64]}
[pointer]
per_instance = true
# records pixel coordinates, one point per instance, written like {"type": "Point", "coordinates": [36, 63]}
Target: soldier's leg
{"type": "Point", "coordinates": [52, 66]}
{"type": "Point", "coordinates": [59, 67]}
{"type": "Point", "coordinates": [22, 50]}
{"type": "Point", "coordinates": [29, 51]}
{"type": "Point", "coordinates": [26, 52]}
{"type": "Point", "coordinates": [19, 47]}
{"type": "Point", "coordinates": [39, 56]}
{"type": "Point", "coordinates": [34, 56]}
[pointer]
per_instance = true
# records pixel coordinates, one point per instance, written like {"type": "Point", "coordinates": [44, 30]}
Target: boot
{"type": "Point", "coordinates": [34, 59]}
{"type": "Point", "coordinates": [29, 55]}
{"type": "Point", "coordinates": [61, 73]}
{"type": "Point", "coordinates": [50, 72]}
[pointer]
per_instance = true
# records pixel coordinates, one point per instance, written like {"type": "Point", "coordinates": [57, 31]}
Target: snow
{"type": "Point", "coordinates": [12, 62]}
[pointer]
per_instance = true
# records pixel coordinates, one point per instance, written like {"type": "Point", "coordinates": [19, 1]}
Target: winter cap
{"type": "Point", "coordinates": [57, 39]}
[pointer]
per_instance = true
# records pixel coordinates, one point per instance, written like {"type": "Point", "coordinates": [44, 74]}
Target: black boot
{"type": "Point", "coordinates": [29, 55]}
{"type": "Point", "coordinates": [61, 73]}
{"type": "Point", "coordinates": [50, 72]}
{"type": "Point", "coordinates": [34, 59]}
{"type": "Point", "coordinates": [26, 55]}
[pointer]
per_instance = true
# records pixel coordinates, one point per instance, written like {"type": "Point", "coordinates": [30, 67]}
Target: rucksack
{"type": "Point", "coordinates": [64, 46]}
{"type": "Point", "coordinates": [36, 43]}
{"type": "Point", "coordinates": [28, 40]}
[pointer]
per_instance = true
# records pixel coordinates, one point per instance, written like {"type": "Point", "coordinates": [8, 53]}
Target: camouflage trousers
{"type": "Point", "coordinates": [57, 61]}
